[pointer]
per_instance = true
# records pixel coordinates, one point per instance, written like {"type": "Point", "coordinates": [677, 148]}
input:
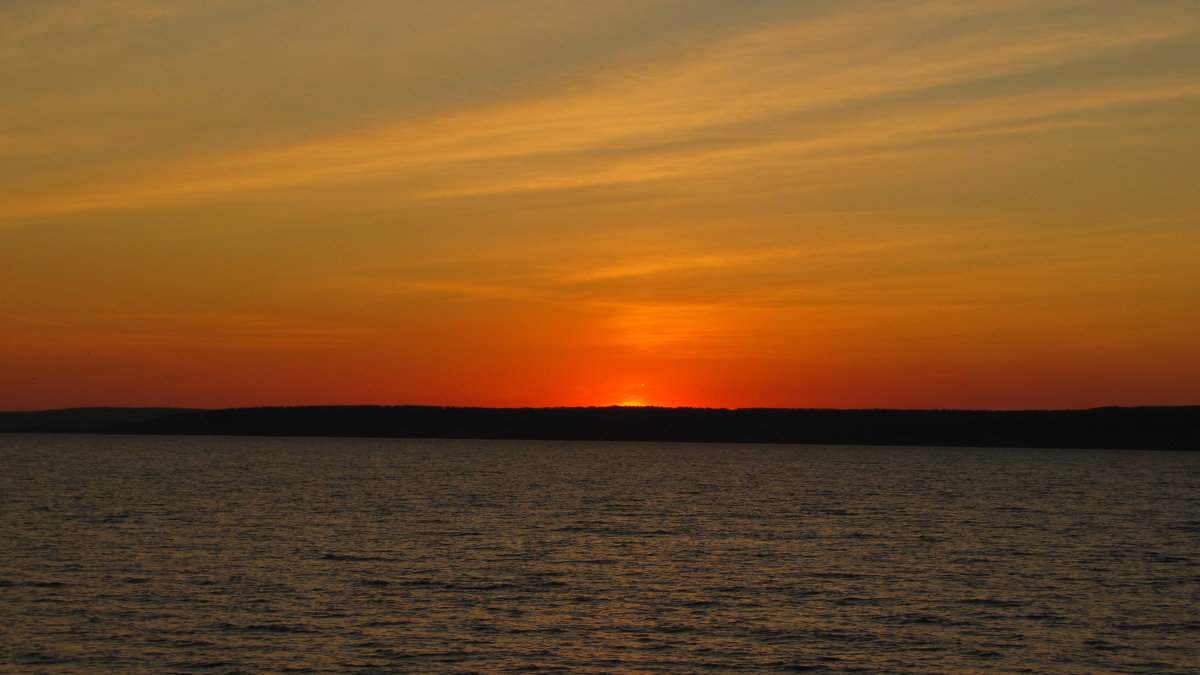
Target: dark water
{"type": "Point", "coordinates": [224, 555]}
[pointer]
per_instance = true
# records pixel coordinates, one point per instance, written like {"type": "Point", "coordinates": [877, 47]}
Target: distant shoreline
{"type": "Point", "coordinates": [1149, 428]}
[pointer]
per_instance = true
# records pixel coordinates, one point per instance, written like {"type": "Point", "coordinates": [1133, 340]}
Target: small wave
{"type": "Point", "coordinates": [352, 558]}
{"type": "Point", "coordinates": [113, 518]}
{"type": "Point", "coordinates": [1186, 626]}
{"type": "Point", "coordinates": [837, 575]}
{"type": "Point", "coordinates": [268, 627]}
{"type": "Point", "coordinates": [479, 587]}
{"type": "Point", "coordinates": [1103, 645]}
{"type": "Point", "coordinates": [824, 666]}
{"type": "Point", "coordinates": [200, 664]}
{"type": "Point", "coordinates": [1162, 558]}
{"type": "Point", "coordinates": [855, 601]}
{"type": "Point", "coordinates": [42, 658]}
{"type": "Point", "coordinates": [968, 560]}
{"type": "Point", "coordinates": [993, 602]}
{"type": "Point", "coordinates": [922, 619]}
{"type": "Point", "coordinates": [1043, 616]}
{"type": "Point", "coordinates": [675, 628]}
{"type": "Point", "coordinates": [1151, 666]}
{"type": "Point", "coordinates": [370, 644]}
{"type": "Point", "coordinates": [191, 643]}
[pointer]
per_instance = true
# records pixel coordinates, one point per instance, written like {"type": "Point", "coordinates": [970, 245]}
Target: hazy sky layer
{"type": "Point", "coordinates": [802, 203]}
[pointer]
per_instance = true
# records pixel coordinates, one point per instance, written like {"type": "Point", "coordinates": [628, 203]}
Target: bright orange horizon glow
{"type": "Point", "coordinates": [927, 204]}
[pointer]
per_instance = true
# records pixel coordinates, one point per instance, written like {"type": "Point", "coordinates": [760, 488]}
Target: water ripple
{"type": "Point", "coordinates": [226, 555]}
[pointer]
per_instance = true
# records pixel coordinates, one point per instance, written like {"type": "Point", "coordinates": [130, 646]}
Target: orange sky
{"type": "Point", "coordinates": [936, 203]}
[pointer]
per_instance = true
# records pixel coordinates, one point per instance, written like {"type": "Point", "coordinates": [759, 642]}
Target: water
{"type": "Point", "coordinates": [249, 555]}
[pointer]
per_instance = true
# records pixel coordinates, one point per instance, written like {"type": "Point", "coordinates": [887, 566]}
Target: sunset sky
{"type": "Point", "coordinates": [792, 203]}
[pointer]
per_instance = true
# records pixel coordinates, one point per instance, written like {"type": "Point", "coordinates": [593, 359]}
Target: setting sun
{"type": "Point", "coordinates": [632, 403]}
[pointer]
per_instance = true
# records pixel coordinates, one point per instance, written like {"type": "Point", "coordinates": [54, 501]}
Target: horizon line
{"type": "Point", "coordinates": [589, 407]}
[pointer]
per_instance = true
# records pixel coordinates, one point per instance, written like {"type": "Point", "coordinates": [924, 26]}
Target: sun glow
{"type": "Point", "coordinates": [632, 395]}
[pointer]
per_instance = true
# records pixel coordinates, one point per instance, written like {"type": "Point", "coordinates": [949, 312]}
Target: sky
{"type": "Point", "coordinates": [794, 203]}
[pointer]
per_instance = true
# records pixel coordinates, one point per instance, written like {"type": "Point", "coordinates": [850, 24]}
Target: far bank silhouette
{"type": "Point", "coordinates": [1151, 428]}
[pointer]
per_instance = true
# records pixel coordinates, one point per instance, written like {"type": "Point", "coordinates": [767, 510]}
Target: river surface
{"type": "Point", "coordinates": [266, 555]}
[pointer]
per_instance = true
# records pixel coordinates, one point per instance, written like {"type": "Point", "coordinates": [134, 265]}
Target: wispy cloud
{"type": "Point", "coordinates": [812, 89]}
{"type": "Point", "coordinates": [127, 331]}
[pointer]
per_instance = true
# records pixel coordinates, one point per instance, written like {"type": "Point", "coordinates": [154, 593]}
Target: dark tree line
{"type": "Point", "coordinates": [1141, 427]}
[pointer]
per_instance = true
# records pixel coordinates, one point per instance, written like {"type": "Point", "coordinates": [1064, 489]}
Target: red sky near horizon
{"type": "Point", "coordinates": [929, 204]}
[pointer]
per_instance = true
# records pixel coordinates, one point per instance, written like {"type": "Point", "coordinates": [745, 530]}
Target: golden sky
{"type": "Point", "coordinates": [794, 203]}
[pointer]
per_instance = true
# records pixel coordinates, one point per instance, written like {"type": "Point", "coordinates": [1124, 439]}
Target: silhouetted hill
{"type": "Point", "coordinates": [1141, 427]}
{"type": "Point", "coordinates": [79, 419]}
